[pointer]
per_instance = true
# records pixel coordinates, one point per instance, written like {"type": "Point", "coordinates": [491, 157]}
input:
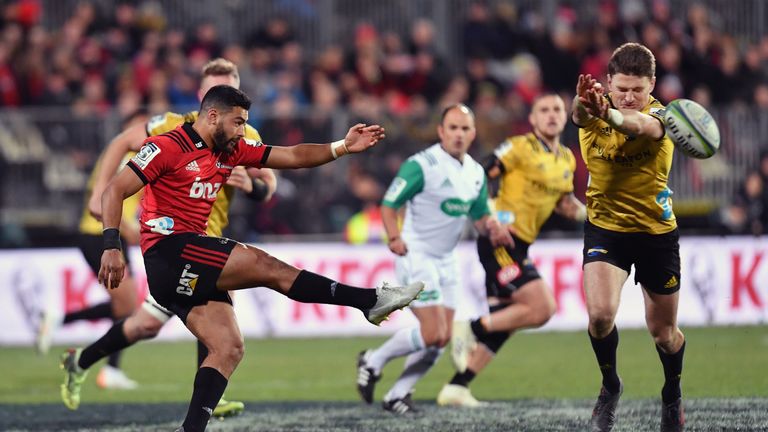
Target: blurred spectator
{"type": "Point", "coordinates": [105, 56]}
{"type": "Point", "coordinates": [747, 212]}
{"type": "Point", "coordinates": [25, 12]}
{"type": "Point", "coordinates": [9, 88]}
{"type": "Point", "coordinates": [480, 78]}
{"type": "Point", "coordinates": [479, 35]}
{"type": "Point", "coordinates": [273, 36]}
{"type": "Point", "coordinates": [763, 170]}
{"type": "Point", "coordinates": [205, 41]}
{"type": "Point", "coordinates": [365, 226]}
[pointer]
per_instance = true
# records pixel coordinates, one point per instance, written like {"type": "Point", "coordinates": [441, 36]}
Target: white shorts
{"type": "Point", "coordinates": [439, 274]}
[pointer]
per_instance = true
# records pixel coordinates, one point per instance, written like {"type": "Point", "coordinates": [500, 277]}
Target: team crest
{"type": "Point", "coordinates": [146, 154]}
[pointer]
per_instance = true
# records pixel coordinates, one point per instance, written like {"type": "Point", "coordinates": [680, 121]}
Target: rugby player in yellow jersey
{"type": "Point", "coordinates": [629, 222]}
{"type": "Point", "coordinates": [147, 321]}
{"type": "Point", "coordinates": [536, 173]}
{"type": "Point", "coordinates": [122, 301]}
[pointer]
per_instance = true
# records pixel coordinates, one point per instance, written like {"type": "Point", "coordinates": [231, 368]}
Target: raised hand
{"type": "Point", "coordinates": [361, 137]}
{"type": "Point", "coordinates": [584, 83]}
{"type": "Point", "coordinates": [591, 96]}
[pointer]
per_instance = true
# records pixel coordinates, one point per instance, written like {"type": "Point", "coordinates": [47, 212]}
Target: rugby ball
{"type": "Point", "coordinates": [691, 128]}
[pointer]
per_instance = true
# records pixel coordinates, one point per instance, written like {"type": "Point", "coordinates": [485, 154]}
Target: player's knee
{"type": "Point", "coordinates": [149, 328]}
{"type": "Point", "coordinates": [436, 338]}
{"type": "Point", "coordinates": [139, 326]}
{"type": "Point", "coordinates": [235, 352]}
{"type": "Point", "coordinates": [601, 324]}
{"type": "Point", "coordinates": [540, 318]}
{"type": "Point", "coordinates": [544, 313]}
{"type": "Point", "coordinates": [664, 336]}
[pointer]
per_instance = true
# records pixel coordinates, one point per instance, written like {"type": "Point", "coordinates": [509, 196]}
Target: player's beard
{"type": "Point", "coordinates": [221, 142]}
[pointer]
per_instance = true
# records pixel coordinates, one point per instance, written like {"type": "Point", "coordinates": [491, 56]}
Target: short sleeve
{"type": "Point", "coordinates": [506, 153]}
{"type": "Point", "coordinates": [151, 161]}
{"type": "Point", "coordinates": [252, 153]}
{"type": "Point", "coordinates": [408, 182]}
{"type": "Point", "coordinates": [480, 207]}
{"type": "Point", "coordinates": [657, 111]}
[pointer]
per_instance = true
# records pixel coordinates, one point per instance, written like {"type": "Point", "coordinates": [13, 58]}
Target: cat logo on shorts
{"type": "Point", "coordinates": [508, 273]}
{"type": "Point", "coordinates": [187, 282]}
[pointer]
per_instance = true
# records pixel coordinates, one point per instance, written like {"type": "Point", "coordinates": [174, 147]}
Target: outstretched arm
{"type": "Point", "coordinates": [359, 138]}
{"type": "Point", "coordinates": [629, 122]}
{"type": "Point", "coordinates": [570, 207]}
{"type": "Point", "coordinates": [130, 139]}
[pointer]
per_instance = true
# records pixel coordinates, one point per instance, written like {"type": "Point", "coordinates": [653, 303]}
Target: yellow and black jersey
{"type": "Point", "coordinates": [627, 189]}
{"type": "Point", "coordinates": [534, 179]}
{"type": "Point", "coordinates": [89, 224]}
{"type": "Point", "coordinates": [219, 217]}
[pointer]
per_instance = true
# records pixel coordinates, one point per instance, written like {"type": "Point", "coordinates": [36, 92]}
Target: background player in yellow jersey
{"type": "Point", "coordinates": [630, 222]}
{"type": "Point", "coordinates": [147, 321]}
{"type": "Point", "coordinates": [536, 173]}
{"type": "Point", "coordinates": [122, 301]}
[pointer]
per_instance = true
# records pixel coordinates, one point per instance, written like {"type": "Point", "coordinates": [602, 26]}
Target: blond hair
{"type": "Point", "coordinates": [220, 67]}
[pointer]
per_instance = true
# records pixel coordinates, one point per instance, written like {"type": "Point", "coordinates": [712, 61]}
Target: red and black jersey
{"type": "Point", "coordinates": [183, 176]}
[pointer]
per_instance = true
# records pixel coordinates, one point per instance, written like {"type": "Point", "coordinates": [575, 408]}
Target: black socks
{"type": "Point", "coordinates": [605, 352]}
{"type": "Point", "coordinates": [312, 288]}
{"type": "Point", "coordinates": [673, 369]}
{"type": "Point", "coordinates": [99, 311]}
{"type": "Point", "coordinates": [209, 386]}
{"type": "Point", "coordinates": [463, 378]}
{"type": "Point", "coordinates": [114, 340]}
{"type": "Point", "coordinates": [202, 353]}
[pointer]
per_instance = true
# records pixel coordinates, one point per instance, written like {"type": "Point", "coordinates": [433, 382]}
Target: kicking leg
{"type": "Point", "coordinates": [248, 266]}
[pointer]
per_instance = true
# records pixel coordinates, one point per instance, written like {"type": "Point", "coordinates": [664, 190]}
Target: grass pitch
{"type": "Point", "coordinates": [539, 381]}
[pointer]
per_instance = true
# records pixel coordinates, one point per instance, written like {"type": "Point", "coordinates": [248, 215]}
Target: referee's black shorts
{"type": "Point", "coordinates": [656, 257]}
{"type": "Point", "coordinates": [182, 271]}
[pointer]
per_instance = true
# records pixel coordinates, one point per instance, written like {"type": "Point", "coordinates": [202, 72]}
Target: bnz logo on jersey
{"type": "Point", "coordinates": [204, 189]}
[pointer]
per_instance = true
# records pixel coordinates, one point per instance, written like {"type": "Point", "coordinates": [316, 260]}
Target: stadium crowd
{"type": "Point", "coordinates": [120, 58]}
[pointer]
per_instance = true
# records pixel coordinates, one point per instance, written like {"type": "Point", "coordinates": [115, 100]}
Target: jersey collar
{"type": "Point", "coordinates": [198, 141]}
{"type": "Point", "coordinates": [544, 145]}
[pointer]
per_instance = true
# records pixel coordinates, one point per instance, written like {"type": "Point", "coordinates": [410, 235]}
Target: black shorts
{"type": "Point", "coordinates": [182, 271]}
{"type": "Point", "coordinates": [92, 246]}
{"type": "Point", "coordinates": [656, 257]}
{"type": "Point", "coordinates": [506, 268]}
